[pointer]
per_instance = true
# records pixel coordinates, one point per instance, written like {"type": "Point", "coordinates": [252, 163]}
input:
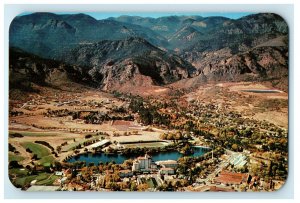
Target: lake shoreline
{"type": "Point", "coordinates": [118, 158]}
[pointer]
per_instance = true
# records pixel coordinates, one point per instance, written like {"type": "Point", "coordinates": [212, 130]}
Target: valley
{"type": "Point", "coordinates": [61, 119]}
{"type": "Point", "coordinates": [175, 103]}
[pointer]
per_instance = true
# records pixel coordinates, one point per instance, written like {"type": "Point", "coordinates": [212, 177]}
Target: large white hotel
{"type": "Point", "coordinates": [145, 163]}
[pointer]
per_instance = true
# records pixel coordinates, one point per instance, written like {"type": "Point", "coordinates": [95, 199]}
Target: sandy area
{"type": "Point", "coordinates": [232, 96]}
{"type": "Point", "coordinates": [278, 118]}
{"type": "Point", "coordinates": [143, 135]}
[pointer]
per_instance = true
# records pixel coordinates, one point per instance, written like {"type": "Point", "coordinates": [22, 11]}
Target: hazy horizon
{"type": "Point", "coordinates": [105, 15]}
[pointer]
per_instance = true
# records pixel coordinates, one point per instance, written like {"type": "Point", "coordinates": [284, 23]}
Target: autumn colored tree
{"type": "Point", "coordinates": [234, 147]}
{"type": "Point", "coordinates": [142, 187]}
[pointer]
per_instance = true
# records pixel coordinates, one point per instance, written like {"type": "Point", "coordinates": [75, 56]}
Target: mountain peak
{"type": "Point", "coordinates": [81, 17]}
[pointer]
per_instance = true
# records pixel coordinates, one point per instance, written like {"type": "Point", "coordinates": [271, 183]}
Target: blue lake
{"type": "Point", "coordinates": [120, 158]}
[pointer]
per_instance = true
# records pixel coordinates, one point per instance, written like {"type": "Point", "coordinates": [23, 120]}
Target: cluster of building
{"type": "Point", "coordinates": [226, 177]}
{"type": "Point", "coordinates": [238, 160]}
{"type": "Point", "coordinates": [146, 164]}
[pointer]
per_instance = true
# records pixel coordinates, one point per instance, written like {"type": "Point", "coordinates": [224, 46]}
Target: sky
{"type": "Point", "coordinates": [104, 15]}
{"type": "Point", "coordinates": [157, 15]}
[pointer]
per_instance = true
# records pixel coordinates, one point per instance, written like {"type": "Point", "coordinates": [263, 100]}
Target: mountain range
{"type": "Point", "coordinates": [110, 52]}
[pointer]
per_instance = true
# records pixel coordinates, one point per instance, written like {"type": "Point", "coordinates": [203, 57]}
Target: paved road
{"type": "Point", "coordinates": [221, 166]}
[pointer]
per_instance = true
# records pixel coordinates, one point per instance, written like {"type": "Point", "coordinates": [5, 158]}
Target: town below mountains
{"type": "Point", "coordinates": [129, 103]}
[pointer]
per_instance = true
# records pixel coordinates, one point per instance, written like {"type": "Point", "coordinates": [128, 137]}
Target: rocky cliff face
{"type": "Point", "coordinates": [120, 60]}
{"type": "Point", "coordinates": [26, 69]}
{"type": "Point", "coordinates": [265, 60]}
{"type": "Point", "coordinates": [104, 64]}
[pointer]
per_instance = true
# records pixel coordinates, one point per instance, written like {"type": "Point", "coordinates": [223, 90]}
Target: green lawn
{"type": "Point", "coordinates": [47, 181]}
{"type": "Point", "coordinates": [25, 180]}
{"type": "Point", "coordinates": [35, 134]}
{"type": "Point", "coordinates": [151, 183]}
{"type": "Point", "coordinates": [37, 149]}
{"type": "Point", "coordinates": [42, 176]}
{"type": "Point", "coordinates": [40, 134]}
{"type": "Point", "coordinates": [42, 152]}
{"type": "Point", "coordinates": [47, 159]}
{"type": "Point", "coordinates": [13, 157]}
{"type": "Point", "coordinates": [18, 172]}
{"type": "Point", "coordinates": [42, 179]}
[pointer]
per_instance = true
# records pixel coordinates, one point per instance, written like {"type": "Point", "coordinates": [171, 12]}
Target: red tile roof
{"type": "Point", "coordinates": [231, 178]}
